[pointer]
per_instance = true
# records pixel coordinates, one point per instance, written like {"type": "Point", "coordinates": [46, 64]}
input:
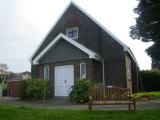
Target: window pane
{"type": "Point", "coordinates": [46, 72]}
{"type": "Point", "coordinates": [70, 35]}
{"type": "Point", "coordinates": [72, 32]}
{"type": "Point", "coordinates": [82, 70]}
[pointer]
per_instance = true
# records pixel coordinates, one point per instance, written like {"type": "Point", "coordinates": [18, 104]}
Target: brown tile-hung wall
{"type": "Point", "coordinates": [95, 38]}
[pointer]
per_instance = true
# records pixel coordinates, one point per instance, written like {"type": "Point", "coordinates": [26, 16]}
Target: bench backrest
{"type": "Point", "coordinates": [109, 93]}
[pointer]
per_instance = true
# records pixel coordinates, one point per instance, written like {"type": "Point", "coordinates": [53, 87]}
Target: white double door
{"type": "Point", "coordinates": [64, 80]}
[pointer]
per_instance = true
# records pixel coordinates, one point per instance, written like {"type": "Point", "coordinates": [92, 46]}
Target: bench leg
{"type": "Point", "coordinates": [134, 106]}
{"type": "Point", "coordinates": [90, 105]}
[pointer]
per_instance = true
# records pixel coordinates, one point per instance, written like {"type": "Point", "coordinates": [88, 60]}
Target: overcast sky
{"type": "Point", "coordinates": [24, 23]}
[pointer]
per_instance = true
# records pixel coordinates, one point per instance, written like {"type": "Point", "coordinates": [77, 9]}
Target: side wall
{"type": "Point", "coordinates": [136, 80]}
{"type": "Point", "coordinates": [132, 72]}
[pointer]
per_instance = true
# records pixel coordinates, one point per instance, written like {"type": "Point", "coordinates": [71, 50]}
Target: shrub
{"type": "Point", "coordinates": [80, 90]}
{"type": "Point", "coordinates": [23, 89]}
{"type": "Point", "coordinates": [151, 80]}
{"type": "Point", "coordinates": [38, 89]}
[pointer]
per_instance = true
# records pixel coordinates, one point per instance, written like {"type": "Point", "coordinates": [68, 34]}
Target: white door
{"type": "Point", "coordinates": [64, 80]}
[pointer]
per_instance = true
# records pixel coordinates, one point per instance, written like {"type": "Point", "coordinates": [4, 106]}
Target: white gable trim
{"type": "Point", "coordinates": [125, 47]}
{"type": "Point", "coordinates": [76, 44]}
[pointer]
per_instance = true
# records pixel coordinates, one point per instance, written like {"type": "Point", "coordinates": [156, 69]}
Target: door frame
{"type": "Point", "coordinates": [55, 77]}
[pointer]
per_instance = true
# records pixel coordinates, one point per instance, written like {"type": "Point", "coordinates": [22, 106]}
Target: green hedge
{"type": "Point", "coordinates": [36, 89]}
{"type": "Point", "coordinates": [151, 80]}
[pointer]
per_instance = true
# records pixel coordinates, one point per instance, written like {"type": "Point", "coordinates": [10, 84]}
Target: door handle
{"type": "Point", "coordinates": [65, 81]}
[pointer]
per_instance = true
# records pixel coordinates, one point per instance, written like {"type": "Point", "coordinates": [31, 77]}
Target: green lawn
{"type": "Point", "coordinates": [151, 95]}
{"type": "Point", "coordinates": [9, 112]}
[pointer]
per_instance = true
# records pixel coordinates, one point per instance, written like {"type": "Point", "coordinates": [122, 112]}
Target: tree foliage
{"type": "Point", "coordinates": [147, 26]}
{"type": "Point", "coordinates": [3, 70]}
{"type": "Point", "coordinates": [3, 67]}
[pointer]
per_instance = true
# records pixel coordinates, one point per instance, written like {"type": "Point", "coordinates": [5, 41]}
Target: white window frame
{"type": "Point", "coordinates": [71, 29]}
{"type": "Point", "coordinates": [46, 67]}
{"type": "Point", "coordinates": [82, 76]}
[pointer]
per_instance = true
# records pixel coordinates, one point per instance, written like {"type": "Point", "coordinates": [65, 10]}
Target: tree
{"type": "Point", "coordinates": [147, 26]}
{"type": "Point", "coordinates": [3, 67]}
{"type": "Point", "coordinates": [3, 70]}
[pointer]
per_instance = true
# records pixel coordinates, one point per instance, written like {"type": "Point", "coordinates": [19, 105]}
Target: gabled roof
{"type": "Point", "coordinates": [73, 42]}
{"type": "Point", "coordinates": [125, 47]}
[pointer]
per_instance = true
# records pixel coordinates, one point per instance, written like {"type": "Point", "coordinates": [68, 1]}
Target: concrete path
{"type": "Point", "coordinates": [60, 103]}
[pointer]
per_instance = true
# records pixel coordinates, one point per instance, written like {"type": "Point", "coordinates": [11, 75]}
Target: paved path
{"type": "Point", "coordinates": [65, 104]}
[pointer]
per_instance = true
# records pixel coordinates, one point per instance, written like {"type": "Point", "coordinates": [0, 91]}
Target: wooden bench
{"type": "Point", "coordinates": [111, 95]}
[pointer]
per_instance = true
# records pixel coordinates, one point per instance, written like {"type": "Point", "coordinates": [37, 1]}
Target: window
{"type": "Point", "coordinates": [46, 72]}
{"type": "Point", "coordinates": [72, 32]}
{"type": "Point", "coordinates": [82, 70]}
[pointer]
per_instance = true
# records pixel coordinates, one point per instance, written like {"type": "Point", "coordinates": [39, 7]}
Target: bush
{"type": "Point", "coordinates": [80, 90]}
{"type": "Point", "coordinates": [38, 89]}
{"type": "Point", "coordinates": [151, 80]}
{"type": "Point", "coordinates": [23, 89]}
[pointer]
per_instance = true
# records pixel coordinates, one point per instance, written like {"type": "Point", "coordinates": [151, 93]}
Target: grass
{"type": "Point", "coordinates": [10, 112]}
{"type": "Point", "coordinates": [151, 95]}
